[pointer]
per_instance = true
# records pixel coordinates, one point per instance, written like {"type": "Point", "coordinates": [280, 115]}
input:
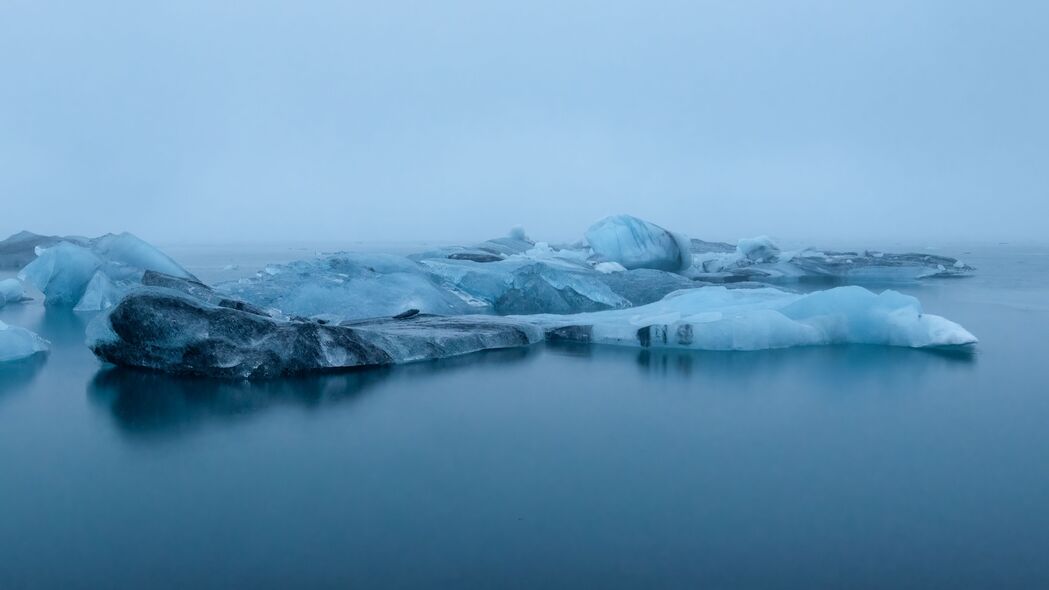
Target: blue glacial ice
{"type": "Point", "coordinates": [19, 343]}
{"type": "Point", "coordinates": [636, 243]}
{"type": "Point", "coordinates": [760, 259]}
{"type": "Point", "coordinates": [11, 291]}
{"type": "Point", "coordinates": [94, 274]}
{"type": "Point", "coordinates": [507, 276]}
{"type": "Point", "coordinates": [717, 318]}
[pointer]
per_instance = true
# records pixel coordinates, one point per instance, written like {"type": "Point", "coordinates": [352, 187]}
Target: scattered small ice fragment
{"type": "Point", "coordinates": [18, 343]}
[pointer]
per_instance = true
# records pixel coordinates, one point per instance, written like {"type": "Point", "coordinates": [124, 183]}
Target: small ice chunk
{"type": "Point", "coordinates": [759, 249]}
{"type": "Point", "coordinates": [18, 343]}
{"type": "Point", "coordinates": [10, 291]}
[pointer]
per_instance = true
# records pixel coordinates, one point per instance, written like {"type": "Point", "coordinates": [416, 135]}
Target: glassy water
{"type": "Point", "coordinates": [858, 467]}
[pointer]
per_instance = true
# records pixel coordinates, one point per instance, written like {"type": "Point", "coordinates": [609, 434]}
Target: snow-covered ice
{"type": "Point", "coordinates": [18, 343]}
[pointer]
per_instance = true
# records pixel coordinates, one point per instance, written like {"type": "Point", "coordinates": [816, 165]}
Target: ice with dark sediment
{"type": "Point", "coordinates": [185, 328]}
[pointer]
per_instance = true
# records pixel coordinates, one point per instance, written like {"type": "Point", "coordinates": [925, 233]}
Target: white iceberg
{"type": "Point", "coordinates": [94, 274]}
{"type": "Point", "coordinates": [636, 243]}
{"type": "Point", "coordinates": [19, 343]}
{"type": "Point", "coordinates": [717, 318]}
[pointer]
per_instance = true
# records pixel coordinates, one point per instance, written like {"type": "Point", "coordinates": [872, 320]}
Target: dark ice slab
{"type": "Point", "coordinates": [181, 328]}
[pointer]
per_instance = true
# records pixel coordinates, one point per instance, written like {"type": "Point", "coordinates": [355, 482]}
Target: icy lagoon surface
{"type": "Point", "coordinates": [548, 466]}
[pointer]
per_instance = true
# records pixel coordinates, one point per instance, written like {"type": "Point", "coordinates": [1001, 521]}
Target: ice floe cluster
{"type": "Point", "coordinates": [628, 282]}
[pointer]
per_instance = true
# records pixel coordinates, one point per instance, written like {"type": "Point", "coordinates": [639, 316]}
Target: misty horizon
{"type": "Point", "coordinates": [812, 122]}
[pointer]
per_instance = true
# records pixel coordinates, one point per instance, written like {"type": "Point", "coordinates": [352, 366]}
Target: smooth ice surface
{"type": "Point", "coordinates": [636, 243]}
{"type": "Point", "coordinates": [10, 291]}
{"type": "Point", "coordinates": [716, 318]}
{"type": "Point", "coordinates": [92, 276]}
{"type": "Point", "coordinates": [349, 285]}
{"type": "Point", "coordinates": [18, 343]}
{"type": "Point", "coordinates": [759, 249]}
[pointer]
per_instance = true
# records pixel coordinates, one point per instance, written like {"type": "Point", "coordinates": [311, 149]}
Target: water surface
{"type": "Point", "coordinates": [859, 467]}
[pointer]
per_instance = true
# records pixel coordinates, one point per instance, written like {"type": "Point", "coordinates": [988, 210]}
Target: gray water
{"type": "Point", "coordinates": [599, 467]}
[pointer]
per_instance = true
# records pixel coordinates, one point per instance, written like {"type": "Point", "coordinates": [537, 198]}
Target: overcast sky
{"type": "Point", "coordinates": [205, 120]}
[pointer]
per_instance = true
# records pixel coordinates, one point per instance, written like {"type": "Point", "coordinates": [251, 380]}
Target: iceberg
{"type": "Point", "coordinates": [760, 259]}
{"type": "Point", "coordinates": [636, 243]}
{"type": "Point", "coordinates": [182, 326]}
{"type": "Point", "coordinates": [718, 318]}
{"type": "Point", "coordinates": [93, 274]}
{"type": "Point", "coordinates": [181, 329]}
{"type": "Point", "coordinates": [11, 291]}
{"type": "Point", "coordinates": [19, 343]}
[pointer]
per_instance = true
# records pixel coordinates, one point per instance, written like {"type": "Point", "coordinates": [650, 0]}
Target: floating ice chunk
{"type": "Point", "coordinates": [62, 273]}
{"type": "Point", "coordinates": [868, 267]}
{"type": "Point", "coordinates": [201, 338]}
{"type": "Point", "coordinates": [18, 343]}
{"type": "Point", "coordinates": [636, 243]}
{"type": "Point", "coordinates": [759, 249]}
{"type": "Point", "coordinates": [10, 291]}
{"type": "Point", "coordinates": [129, 251]}
{"type": "Point", "coordinates": [106, 266]}
{"type": "Point", "coordinates": [716, 318]}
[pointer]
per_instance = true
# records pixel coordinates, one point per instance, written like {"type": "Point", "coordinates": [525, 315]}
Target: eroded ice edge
{"type": "Point", "coordinates": [18, 343]}
{"type": "Point", "coordinates": [628, 282]}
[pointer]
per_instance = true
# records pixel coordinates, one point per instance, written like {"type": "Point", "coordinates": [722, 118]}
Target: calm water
{"type": "Point", "coordinates": [858, 467]}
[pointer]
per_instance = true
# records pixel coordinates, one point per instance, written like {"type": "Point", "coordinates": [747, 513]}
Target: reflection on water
{"type": "Point", "coordinates": [148, 403]}
{"type": "Point", "coordinates": [556, 465]}
{"type": "Point", "coordinates": [844, 365]}
{"type": "Point", "coordinates": [17, 376]}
